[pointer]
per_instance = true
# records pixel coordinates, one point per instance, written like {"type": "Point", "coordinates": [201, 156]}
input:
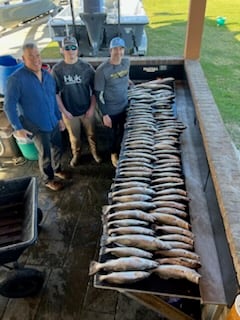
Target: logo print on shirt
{"type": "Point", "coordinates": [119, 74]}
{"type": "Point", "coordinates": [72, 79]}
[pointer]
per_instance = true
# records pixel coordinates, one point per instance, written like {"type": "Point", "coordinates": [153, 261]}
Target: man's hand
{"type": "Point", "coordinates": [62, 126]}
{"type": "Point", "coordinates": [68, 115]}
{"type": "Point", "coordinates": [107, 121]}
{"type": "Point", "coordinates": [90, 111]}
{"type": "Point", "coordinates": [24, 134]}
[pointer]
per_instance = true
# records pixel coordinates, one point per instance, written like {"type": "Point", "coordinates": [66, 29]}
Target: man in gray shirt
{"type": "Point", "coordinates": [75, 95]}
{"type": "Point", "coordinates": [111, 89]}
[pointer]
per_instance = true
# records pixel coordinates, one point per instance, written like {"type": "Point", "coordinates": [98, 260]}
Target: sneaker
{"type": "Point", "coordinates": [62, 175]}
{"type": "Point", "coordinates": [75, 161]}
{"type": "Point", "coordinates": [54, 185]}
{"type": "Point", "coordinates": [97, 158]}
{"type": "Point", "coordinates": [114, 159]}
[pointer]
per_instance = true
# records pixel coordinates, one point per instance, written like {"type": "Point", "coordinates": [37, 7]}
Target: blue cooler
{"type": "Point", "coordinates": [8, 65]}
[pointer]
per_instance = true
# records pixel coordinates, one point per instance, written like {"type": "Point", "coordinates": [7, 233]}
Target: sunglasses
{"type": "Point", "coordinates": [70, 47]}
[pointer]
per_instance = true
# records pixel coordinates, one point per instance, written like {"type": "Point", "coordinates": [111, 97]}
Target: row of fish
{"type": "Point", "coordinates": [146, 225]}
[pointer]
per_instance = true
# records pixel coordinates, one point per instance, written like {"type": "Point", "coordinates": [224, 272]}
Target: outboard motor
{"type": "Point", "coordinates": [94, 17]}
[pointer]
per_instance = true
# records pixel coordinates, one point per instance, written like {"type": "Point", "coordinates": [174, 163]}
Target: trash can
{"type": "Point", "coordinates": [8, 64]}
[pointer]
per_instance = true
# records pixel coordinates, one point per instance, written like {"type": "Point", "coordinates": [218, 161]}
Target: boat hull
{"type": "Point", "coordinates": [14, 13]}
{"type": "Point", "coordinates": [94, 32]}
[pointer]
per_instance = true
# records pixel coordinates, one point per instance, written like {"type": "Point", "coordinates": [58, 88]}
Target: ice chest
{"type": "Point", "coordinates": [8, 65]}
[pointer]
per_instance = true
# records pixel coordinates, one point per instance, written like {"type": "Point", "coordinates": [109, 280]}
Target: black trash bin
{"type": "Point", "coordinates": [19, 220]}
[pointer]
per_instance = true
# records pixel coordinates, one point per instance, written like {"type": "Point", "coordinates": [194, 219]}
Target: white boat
{"type": "Point", "coordinates": [14, 12]}
{"type": "Point", "coordinates": [95, 22]}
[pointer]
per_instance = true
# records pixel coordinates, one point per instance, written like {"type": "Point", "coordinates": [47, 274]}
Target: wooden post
{"type": "Point", "coordinates": [234, 313]}
{"type": "Point", "coordinates": [194, 29]}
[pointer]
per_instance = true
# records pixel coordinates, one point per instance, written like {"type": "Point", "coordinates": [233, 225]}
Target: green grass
{"type": "Point", "coordinates": [219, 50]}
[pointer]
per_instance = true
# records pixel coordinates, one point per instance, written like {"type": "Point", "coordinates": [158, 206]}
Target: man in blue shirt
{"type": "Point", "coordinates": [31, 107]}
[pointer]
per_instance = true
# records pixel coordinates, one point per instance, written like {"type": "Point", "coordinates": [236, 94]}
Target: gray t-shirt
{"type": "Point", "coordinates": [75, 83]}
{"type": "Point", "coordinates": [112, 80]}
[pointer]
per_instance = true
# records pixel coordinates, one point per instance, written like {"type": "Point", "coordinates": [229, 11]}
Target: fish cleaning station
{"type": "Point", "coordinates": [177, 174]}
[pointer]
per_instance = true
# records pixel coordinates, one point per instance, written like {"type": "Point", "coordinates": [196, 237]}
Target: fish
{"type": "Point", "coordinates": [168, 203]}
{"type": "Point", "coordinates": [131, 197]}
{"type": "Point", "coordinates": [134, 165]}
{"type": "Point", "coordinates": [178, 252]}
{"type": "Point", "coordinates": [123, 264]}
{"type": "Point", "coordinates": [178, 244]}
{"type": "Point", "coordinates": [167, 156]}
{"type": "Point", "coordinates": [157, 174]}
{"type": "Point", "coordinates": [167, 164]}
{"type": "Point", "coordinates": [138, 147]}
{"type": "Point", "coordinates": [186, 262]}
{"type": "Point", "coordinates": [171, 197]}
{"type": "Point", "coordinates": [172, 191]}
{"type": "Point", "coordinates": [131, 230]}
{"type": "Point", "coordinates": [166, 229]}
{"type": "Point", "coordinates": [171, 219]}
{"type": "Point", "coordinates": [176, 237]}
{"type": "Point", "coordinates": [170, 210]}
{"type": "Point", "coordinates": [127, 222]}
{"type": "Point", "coordinates": [130, 214]}
{"type": "Point", "coordinates": [170, 162]}
{"type": "Point", "coordinates": [128, 184]}
{"type": "Point", "coordinates": [169, 185]}
{"type": "Point", "coordinates": [163, 146]}
{"type": "Point", "coordinates": [167, 271]}
{"type": "Point", "coordinates": [144, 155]}
{"type": "Point", "coordinates": [124, 277]}
{"type": "Point", "coordinates": [139, 241]}
{"type": "Point", "coordinates": [131, 179]}
{"type": "Point", "coordinates": [133, 190]}
{"type": "Point", "coordinates": [128, 252]}
{"type": "Point", "coordinates": [131, 173]}
{"type": "Point", "coordinates": [131, 205]}
{"type": "Point", "coordinates": [167, 179]}
{"type": "Point", "coordinates": [160, 152]}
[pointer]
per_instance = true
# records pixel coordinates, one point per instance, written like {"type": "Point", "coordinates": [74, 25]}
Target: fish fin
{"type": "Point", "coordinates": [93, 268]}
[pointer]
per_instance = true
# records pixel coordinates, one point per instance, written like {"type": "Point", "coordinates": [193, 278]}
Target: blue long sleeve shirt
{"type": "Point", "coordinates": [36, 101]}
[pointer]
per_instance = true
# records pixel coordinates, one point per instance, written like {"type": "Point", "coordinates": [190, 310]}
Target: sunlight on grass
{"type": "Point", "coordinates": [51, 51]}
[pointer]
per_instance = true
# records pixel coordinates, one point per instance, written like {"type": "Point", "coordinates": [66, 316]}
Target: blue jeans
{"type": "Point", "coordinates": [49, 146]}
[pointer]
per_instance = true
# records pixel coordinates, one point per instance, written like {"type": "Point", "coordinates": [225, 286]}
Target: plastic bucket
{"type": "Point", "coordinates": [8, 65]}
{"type": "Point", "coordinates": [27, 148]}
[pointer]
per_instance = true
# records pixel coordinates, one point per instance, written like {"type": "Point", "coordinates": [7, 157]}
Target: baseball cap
{"type": "Point", "coordinates": [69, 41]}
{"type": "Point", "coordinates": [117, 42]}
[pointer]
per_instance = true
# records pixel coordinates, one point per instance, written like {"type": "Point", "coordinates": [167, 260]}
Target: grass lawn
{"type": "Point", "coordinates": [219, 51]}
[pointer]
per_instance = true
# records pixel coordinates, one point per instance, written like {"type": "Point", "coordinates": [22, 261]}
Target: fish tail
{"type": "Point", "coordinates": [103, 240]}
{"type": "Point", "coordinates": [106, 209]}
{"type": "Point", "coordinates": [93, 268]}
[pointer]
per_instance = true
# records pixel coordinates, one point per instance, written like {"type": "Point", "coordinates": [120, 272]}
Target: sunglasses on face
{"type": "Point", "coordinates": [72, 47]}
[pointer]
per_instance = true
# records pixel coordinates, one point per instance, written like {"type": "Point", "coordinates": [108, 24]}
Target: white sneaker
{"type": "Point", "coordinates": [114, 159]}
